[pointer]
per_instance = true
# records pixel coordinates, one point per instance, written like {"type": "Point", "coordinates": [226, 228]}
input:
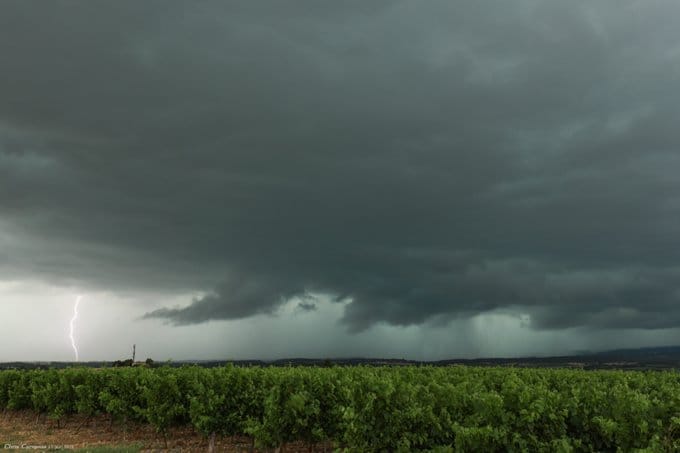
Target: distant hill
{"type": "Point", "coordinates": [656, 351]}
{"type": "Point", "coordinates": [648, 358]}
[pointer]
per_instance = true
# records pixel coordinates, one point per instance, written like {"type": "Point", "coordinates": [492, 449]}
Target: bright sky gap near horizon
{"type": "Point", "coordinates": [426, 180]}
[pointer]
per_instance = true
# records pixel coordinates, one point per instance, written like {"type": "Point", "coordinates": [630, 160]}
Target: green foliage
{"type": "Point", "coordinates": [7, 378]}
{"type": "Point", "coordinates": [376, 409]}
{"type": "Point", "coordinates": [19, 390]}
{"type": "Point", "coordinates": [165, 397]}
{"type": "Point", "coordinates": [87, 392]}
{"type": "Point", "coordinates": [120, 396]}
{"type": "Point", "coordinates": [226, 400]}
{"type": "Point", "coordinates": [299, 407]}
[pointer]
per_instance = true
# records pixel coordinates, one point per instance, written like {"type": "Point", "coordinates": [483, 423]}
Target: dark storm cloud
{"type": "Point", "coordinates": [420, 161]}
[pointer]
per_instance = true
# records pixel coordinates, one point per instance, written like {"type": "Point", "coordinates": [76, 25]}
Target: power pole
{"type": "Point", "coordinates": [134, 347]}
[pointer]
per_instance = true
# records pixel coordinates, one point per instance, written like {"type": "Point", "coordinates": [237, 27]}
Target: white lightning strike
{"type": "Point", "coordinates": [73, 320]}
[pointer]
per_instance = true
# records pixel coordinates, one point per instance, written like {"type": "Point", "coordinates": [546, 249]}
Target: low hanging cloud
{"type": "Point", "coordinates": [417, 162]}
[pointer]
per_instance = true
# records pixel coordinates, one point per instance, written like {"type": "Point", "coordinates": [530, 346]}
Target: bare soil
{"type": "Point", "coordinates": [27, 428]}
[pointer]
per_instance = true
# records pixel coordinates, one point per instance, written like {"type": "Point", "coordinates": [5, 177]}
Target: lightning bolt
{"type": "Point", "coordinates": [73, 320]}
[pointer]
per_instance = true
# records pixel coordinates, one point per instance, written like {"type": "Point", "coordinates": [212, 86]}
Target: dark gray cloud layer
{"type": "Point", "coordinates": [424, 161]}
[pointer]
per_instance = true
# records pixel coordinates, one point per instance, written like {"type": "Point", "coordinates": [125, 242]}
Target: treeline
{"type": "Point", "coordinates": [374, 409]}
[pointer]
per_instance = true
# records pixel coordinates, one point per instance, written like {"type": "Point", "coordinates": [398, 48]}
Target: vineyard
{"type": "Point", "coordinates": [374, 408]}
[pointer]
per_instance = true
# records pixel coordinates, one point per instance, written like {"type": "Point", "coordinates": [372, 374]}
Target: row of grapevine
{"type": "Point", "coordinates": [375, 409]}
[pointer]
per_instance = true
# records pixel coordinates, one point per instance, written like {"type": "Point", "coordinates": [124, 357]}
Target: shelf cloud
{"type": "Point", "coordinates": [417, 163]}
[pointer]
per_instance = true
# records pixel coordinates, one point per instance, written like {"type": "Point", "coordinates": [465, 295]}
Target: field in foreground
{"type": "Point", "coordinates": [97, 434]}
{"type": "Point", "coordinates": [357, 408]}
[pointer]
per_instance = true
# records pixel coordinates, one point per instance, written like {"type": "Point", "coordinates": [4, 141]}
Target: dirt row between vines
{"type": "Point", "coordinates": [26, 428]}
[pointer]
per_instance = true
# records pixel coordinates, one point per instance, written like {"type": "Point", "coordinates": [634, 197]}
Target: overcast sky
{"type": "Point", "coordinates": [224, 179]}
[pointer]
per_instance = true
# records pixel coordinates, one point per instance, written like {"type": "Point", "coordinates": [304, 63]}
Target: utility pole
{"type": "Point", "coordinates": [134, 347]}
